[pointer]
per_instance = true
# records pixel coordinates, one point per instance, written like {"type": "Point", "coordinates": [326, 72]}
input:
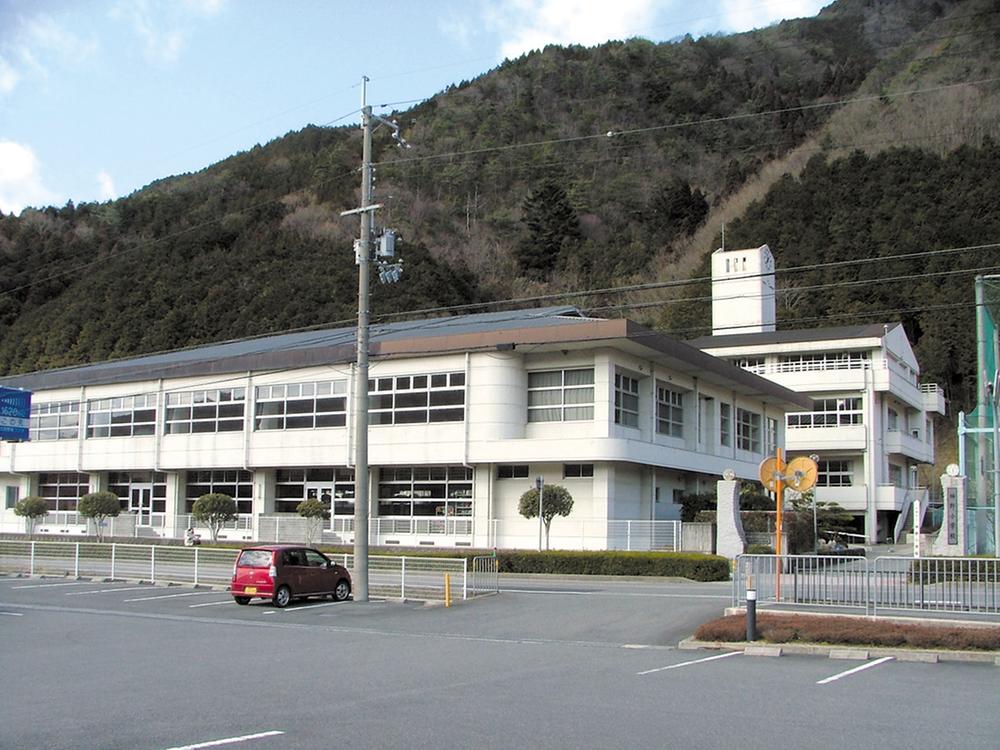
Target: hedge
{"type": "Point", "coordinates": [697, 567]}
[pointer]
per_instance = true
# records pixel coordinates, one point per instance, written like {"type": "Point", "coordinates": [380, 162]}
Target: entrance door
{"type": "Point", "coordinates": [141, 503]}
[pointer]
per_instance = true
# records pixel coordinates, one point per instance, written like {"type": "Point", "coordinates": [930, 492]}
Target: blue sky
{"type": "Point", "coordinates": [101, 97]}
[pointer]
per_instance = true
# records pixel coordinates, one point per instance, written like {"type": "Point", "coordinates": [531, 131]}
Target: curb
{"type": "Point", "coordinates": [928, 656]}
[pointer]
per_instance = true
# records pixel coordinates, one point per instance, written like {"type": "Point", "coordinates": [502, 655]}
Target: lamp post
{"type": "Point", "coordinates": [815, 459]}
{"type": "Point", "coordinates": [540, 486]}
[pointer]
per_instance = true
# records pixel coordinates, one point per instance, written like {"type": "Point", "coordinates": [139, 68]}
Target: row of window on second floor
{"type": "Point", "coordinates": [406, 399]}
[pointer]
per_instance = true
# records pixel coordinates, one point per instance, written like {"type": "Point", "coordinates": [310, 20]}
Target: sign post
{"type": "Point", "coordinates": [15, 414]}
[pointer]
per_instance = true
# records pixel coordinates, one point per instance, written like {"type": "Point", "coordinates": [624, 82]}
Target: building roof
{"type": "Point", "coordinates": [554, 327]}
{"type": "Point", "coordinates": [839, 333]}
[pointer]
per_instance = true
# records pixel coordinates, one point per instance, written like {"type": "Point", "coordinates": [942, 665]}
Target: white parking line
{"type": "Point", "coordinates": [300, 607]}
{"type": "Point", "coordinates": [13, 614]}
{"type": "Point", "coordinates": [688, 663]}
{"type": "Point", "coordinates": [863, 667]}
{"type": "Point", "coordinates": [617, 593]}
{"type": "Point", "coordinates": [211, 604]}
{"type": "Point", "coordinates": [51, 585]}
{"type": "Point", "coordinates": [228, 741]}
{"type": "Point", "coordinates": [105, 591]}
{"type": "Point", "coordinates": [169, 596]}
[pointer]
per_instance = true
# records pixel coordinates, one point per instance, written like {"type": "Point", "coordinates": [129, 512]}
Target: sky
{"type": "Point", "coordinates": [101, 97]}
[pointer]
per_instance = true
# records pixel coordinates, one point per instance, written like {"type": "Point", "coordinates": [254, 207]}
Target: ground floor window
{"type": "Point", "coordinates": [61, 490]}
{"type": "Point", "coordinates": [334, 487]}
{"type": "Point", "coordinates": [123, 483]}
{"type": "Point", "coordinates": [425, 491]}
{"type": "Point", "coordinates": [236, 483]}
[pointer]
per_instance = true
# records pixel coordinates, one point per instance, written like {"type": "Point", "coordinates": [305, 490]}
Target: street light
{"type": "Point", "coordinates": [540, 486]}
{"type": "Point", "coordinates": [815, 460]}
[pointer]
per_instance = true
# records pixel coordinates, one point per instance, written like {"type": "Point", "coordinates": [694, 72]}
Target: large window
{"type": "Point", "coordinates": [669, 412]}
{"type": "Point", "coordinates": [726, 424]}
{"type": "Point", "coordinates": [834, 473]}
{"type": "Point", "coordinates": [771, 436]}
{"type": "Point", "coordinates": [334, 487]}
{"type": "Point", "coordinates": [417, 399]}
{"type": "Point", "coordinates": [828, 412]}
{"type": "Point", "coordinates": [293, 406]}
{"type": "Point", "coordinates": [747, 430]}
{"type": "Point", "coordinates": [218, 410]}
{"type": "Point", "coordinates": [55, 421]}
{"type": "Point", "coordinates": [236, 483]}
{"type": "Point", "coordinates": [823, 361]}
{"type": "Point", "coordinates": [425, 491]}
{"type": "Point", "coordinates": [577, 471]}
{"type": "Point", "coordinates": [512, 471]}
{"type": "Point", "coordinates": [560, 395]}
{"type": "Point", "coordinates": [124, 416]}
{"type": "Point", "coordinates": [62, 490]}
{"type": "Point", "coordinates": [626, 400]}
{"type": "Point", "coordinates": [122, 482]}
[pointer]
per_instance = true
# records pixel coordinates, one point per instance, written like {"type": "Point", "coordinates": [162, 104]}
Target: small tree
{"type": "Point", "coordinates": [214, 510]}
{"type": "Point", "coordinates": [315, 512]}
{"type": "Point", "coordinates": [99, 506]}
{"type": "Point", "coordinates": [31, 508]}
{"type": "Point", "coordinates": [556, 501]}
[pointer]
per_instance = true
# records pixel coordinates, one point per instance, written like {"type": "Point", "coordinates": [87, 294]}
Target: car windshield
{"type": "Point", "coordinates": [255, 558]}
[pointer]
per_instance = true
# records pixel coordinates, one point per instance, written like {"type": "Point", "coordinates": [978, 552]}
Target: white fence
{"type": "Point", "coordinates": [388, 577]}
{"type": "Point", "coordinates": [955, 585]}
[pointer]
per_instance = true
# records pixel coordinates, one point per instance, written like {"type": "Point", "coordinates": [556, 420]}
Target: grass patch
{"type": "Point", "coordinates": [850, 631]}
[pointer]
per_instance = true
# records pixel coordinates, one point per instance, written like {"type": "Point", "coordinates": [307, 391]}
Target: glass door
{"type": "Point", "coordinates": [141, 503]}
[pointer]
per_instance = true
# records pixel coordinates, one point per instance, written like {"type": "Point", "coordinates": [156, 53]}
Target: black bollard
{"type": "Point", "coordinates": [751, 615]}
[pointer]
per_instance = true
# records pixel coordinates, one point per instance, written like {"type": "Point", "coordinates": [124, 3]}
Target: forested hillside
{"type": "Point", "coordinates": [567, 170]}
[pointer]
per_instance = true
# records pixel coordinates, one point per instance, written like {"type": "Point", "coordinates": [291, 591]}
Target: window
{"type": "Point", "coordinates": [560, 395]}
{"type": "Point", "coordinates": [121, 483]}
{"type": "Point", "coordinates": [417, 399]}
{"type": "Point", "coordinates": [56, 421]}
{"type": "Point", "coordinates": [828, 412]}
{"type": "Point", "coordinates": [425, 491]}
{"type": "Point", "coordinates": [577, 471]}
{"type": "Point", "coordinates": [834, 473]}
{"type": "Point", "coordinates": [512, 471]}
{"type": "Point", "coordinates": [206, 411]}
{"type": "Point", "coordinates": [11, 496]}
{"type": "Point", "coordinates": [292, 406]}
{"type": "Point", "coordinates": [726, 424]}
{"type": "Point", "coordinates": [331, 486]}
{"type": "Point", "coordinates": [753, 364]}
{"type": "Point", "coordinates": [893, 420]}
{"type": "Point", "coordinates": [669, 412]}
{"type": "Point", "coordinates": [236, 483]}
{"type": "Point", "coordinates": [771, 436]}
{"type": "Point", "coordinates": [124, 416]}
{"type": "Point", "coordinates": [896, 476]}
{"type": "Point", "coordinates": [626, 400]}
{"type": "Point", "coordinates": [824, 361]}
{"type": "Point", "coordinates": [62, 490]}
{"type": "Point", "coordinates": [747, 431]}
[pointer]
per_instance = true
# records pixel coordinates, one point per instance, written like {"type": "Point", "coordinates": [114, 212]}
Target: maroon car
{"type": "Point", "coordinates": [283, 572]}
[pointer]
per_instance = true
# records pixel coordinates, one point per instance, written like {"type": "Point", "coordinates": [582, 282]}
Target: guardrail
{"type": "Point", "coordinates": [956, 585]}
{"type": "Point", "coordinates": [389, 577]}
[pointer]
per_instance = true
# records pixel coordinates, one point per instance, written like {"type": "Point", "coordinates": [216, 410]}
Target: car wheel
{"type": "Point", "coordinates": [342, 591]}
{"type": "Point", "coordinates": [282, 597]}
{"type": "Point", "coordinates": [242, 599]}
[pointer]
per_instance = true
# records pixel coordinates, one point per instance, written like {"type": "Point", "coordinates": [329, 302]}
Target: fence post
{"type": "Point", "coordinates": [195, 566]}
{"type": "Point", "coordinates": [152, 563]}
{"type": "Point", "coordinates": [113, 548]}
{"type": "Point", "coordinates": [76, 561]}
{"type": "Point", "coordinates": [402, 580]}
{"type": "Point", "coordinates": [465, 578]}
{"type": "Point", "coordinates": [628, 536]}
{"type": "Point", "coordinates": [31, 566]}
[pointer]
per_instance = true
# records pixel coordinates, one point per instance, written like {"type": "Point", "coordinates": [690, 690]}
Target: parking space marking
{"type": "Point", "coordinates": [229, 740]}
{"type": "Point", "coordinates": [616, 593]}
{"type": "Point", "coordinates": [105, 591]}
{"type": "Point", "coordinates": [169, 596]}
{"type": "Point", "coordinates": [211, 604]}
{"type": "Point", "coordinates": [13, 614]}
{"type": "Point", "coordinates": [861, 668]}
{"type": "Point", "coordinates": [689, 663]}
{"type": "Point", "coordinates": [52, 585]}
{"type": "Point", "coordinates": [311, 606]}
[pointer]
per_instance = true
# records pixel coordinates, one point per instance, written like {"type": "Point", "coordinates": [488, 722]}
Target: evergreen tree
{"type": "Point", "coordinates": [553, 230]}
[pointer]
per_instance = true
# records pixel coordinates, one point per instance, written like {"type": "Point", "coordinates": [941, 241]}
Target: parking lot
{"type": "Point", "coordinates": [549, 662]}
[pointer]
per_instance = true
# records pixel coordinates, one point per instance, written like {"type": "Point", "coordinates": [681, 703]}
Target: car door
{"type": "Point", "coordinates": [293, 571]}
{"type": "Point", "coordinates": [318, 572]}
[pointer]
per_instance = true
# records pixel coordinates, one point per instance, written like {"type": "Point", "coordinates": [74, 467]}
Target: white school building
{"type": "Point", "coordinates": [465, 413]}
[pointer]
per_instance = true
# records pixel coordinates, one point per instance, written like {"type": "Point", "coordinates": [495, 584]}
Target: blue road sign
{"type": "Point", "coordinates": [15, 411]}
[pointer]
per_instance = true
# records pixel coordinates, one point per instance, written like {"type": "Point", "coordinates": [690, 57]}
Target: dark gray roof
{"type": "Point", "coordinates": [870, 330]}
{"type": "Point", "coordinates": [300, 349]}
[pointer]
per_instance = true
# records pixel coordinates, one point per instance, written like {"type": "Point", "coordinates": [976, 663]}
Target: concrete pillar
{"type": "Point", "coordinates": [731, 541]}
{"type": "Point", "coordinates": [951, 541]}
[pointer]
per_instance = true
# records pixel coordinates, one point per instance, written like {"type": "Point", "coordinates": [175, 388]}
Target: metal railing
{"type": "Point", "coordinates": [389, 577]}
{"type": "Point", "coordinates": [485, 577]}
{"type": "Point", "coordinates": [956, 585]}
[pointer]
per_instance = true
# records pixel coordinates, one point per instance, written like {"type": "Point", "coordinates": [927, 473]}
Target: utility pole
{"type": "Point", "coordinates": [388, 273]}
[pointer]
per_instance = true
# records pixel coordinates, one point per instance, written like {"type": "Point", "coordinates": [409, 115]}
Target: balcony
{"type": "Point", "coordinates": [933, 397]}
{"type": "Point", "coordinates": [854, 499]}
{"type": "Point", "coordinates": [908, 444]}
{"type": "Point", "coordinates": [819, 439]}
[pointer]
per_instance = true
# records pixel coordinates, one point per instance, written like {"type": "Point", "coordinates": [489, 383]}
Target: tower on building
{"type": "Point", "coordinates": [743, 291]}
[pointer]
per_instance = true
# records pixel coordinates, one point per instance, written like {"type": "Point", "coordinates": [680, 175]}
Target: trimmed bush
{"type": "Point", "coordinates": [760, 549]}
{"type": "Point", "coordinates": [697, 567]}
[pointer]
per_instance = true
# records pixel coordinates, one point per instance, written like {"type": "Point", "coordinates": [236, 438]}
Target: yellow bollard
{"type": "Point", "coordinates": [447, 589]}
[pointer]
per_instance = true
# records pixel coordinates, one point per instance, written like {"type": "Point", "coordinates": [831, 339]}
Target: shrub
{"type": "Point", "coordinates": [315, 512]}
{"type": "Point", "coordinates": [760, 549]}
{"type": "Point", "coordinates": [98, 506]}
{"type": "Point", "coordinates": [697, 567]}
{"type": "Point", "coordinates": [214, 509]}
{"type": "Point", "coordinates": [31, 508]}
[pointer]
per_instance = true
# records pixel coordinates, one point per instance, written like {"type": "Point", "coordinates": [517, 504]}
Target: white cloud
{"type": "Point", "coordinates": [525, 25]}
{"type": "Point", "coordinates": [740, 15]}
{"type": "Point", "coordinates": [163, 28]}
{"type": "Point", "coordinates": [107, 190]}
{"type": "Point", "coordinates": [8, 77]}
{"type": "Point", "coordinates": [20, 179]}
